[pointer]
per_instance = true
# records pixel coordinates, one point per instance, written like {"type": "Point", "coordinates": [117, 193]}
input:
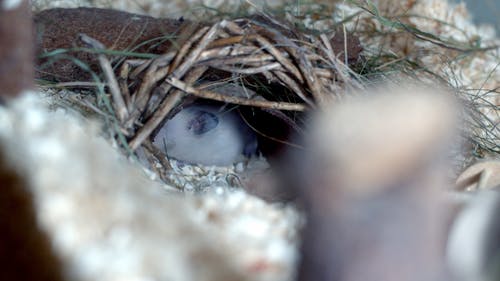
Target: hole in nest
{"type": "Point", "coordinates": [216, 133]}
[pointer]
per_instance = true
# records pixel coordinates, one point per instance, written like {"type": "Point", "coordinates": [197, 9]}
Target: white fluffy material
{"type": "Point", "coordinates": [109, 221]}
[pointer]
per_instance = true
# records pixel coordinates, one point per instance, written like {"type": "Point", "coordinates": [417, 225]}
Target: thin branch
{"type": "Point", "coordinates": [118, 102]}
{"type": "Point", "coordinates": [235, 100]}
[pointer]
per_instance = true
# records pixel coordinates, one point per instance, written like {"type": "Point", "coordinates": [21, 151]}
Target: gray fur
{"type": "Point", "coordinates": [207, 134]}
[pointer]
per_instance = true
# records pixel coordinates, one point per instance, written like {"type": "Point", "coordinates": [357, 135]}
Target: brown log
{"type": "Point", "coordinates": [116, 30]}
{"type": "Point", "coordinates": [120, 31]}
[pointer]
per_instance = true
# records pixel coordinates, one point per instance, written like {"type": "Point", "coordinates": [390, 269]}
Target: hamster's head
{"type": "Point", "coordinates": [205, 134]}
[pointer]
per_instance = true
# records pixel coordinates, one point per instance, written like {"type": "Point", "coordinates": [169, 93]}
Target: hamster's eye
{"type": "Point", "coordinates": [202, 122]}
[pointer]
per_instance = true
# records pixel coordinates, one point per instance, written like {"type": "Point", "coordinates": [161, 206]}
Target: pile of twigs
{"type": "Point", "coordinates": [145, 91]}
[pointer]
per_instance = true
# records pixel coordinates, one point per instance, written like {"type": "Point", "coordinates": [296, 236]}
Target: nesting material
{"type": "Point", "coordinates": [436, 39]}
{"type": "Point", "coordinates": [187, 60]}
{"type": "Point", "coordinates": [401, 39]}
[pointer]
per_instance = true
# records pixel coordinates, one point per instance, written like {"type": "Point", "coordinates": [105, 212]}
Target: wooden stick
{"type": "Point", "coordinates": [236, 100]}
{"type": "Point", "coordinates": [118, 102]}
{"type": "Point", "coordinates": [164, 109]}
{"type": "Point", "coordinates": [16, 48]}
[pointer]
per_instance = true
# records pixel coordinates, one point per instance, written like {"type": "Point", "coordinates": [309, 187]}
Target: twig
{"type": "Point", "coordinates": [293, 86]}
{"type": "Point", "coordinates": [123, 83]}
{"type": "Point", "coordinates": [170, 102]}
{"type": "Point", "coordinates": [248, 70]}
{"type": "Point", "coordinates": [230, 50]}
{"type": "Point", "coordinates": [153, 75]}
{"type": "Point", "coordinates": [185, 48]}
{"type": "Point", "coordinates": [240, 60]}
{"type": "Point", "coordinates": [118, 102]}
{"type": "Point", "coordinates": [235, 100]}
{"type": "Point", "coordinates": [280, 58]}
{"type": "Point", "coordinates": [158, 154]}
{"type": "Point", "coordinates": [76, 84]}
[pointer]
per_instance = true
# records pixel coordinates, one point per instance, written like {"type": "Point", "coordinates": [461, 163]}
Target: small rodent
{"type": "Point", "coordinates": [207, 134]}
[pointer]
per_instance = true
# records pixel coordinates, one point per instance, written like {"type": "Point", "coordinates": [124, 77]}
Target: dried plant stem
{"type": "Point", "coordinates": [240, 47]}
{"type": "Point", "coordinates": [158, 154]}
{"type": "Point", "coordinates": [118, 102]}
{"type": "Point", "coordinates": [170, 102]}
{"type": "Point", "coordinates": [236, 100]}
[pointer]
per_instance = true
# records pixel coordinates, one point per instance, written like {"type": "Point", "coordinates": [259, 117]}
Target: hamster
{"type": "Point", "coordinates": [207, 134]}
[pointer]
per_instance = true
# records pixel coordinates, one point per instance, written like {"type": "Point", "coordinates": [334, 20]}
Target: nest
{"type": "Point", "coordinates": [277, 69]}
{"type": "Point", "coordinates": [308, 70]}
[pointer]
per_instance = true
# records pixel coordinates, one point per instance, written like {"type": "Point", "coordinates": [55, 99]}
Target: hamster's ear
{"type": "Point", "coordinates": [203, 122]}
